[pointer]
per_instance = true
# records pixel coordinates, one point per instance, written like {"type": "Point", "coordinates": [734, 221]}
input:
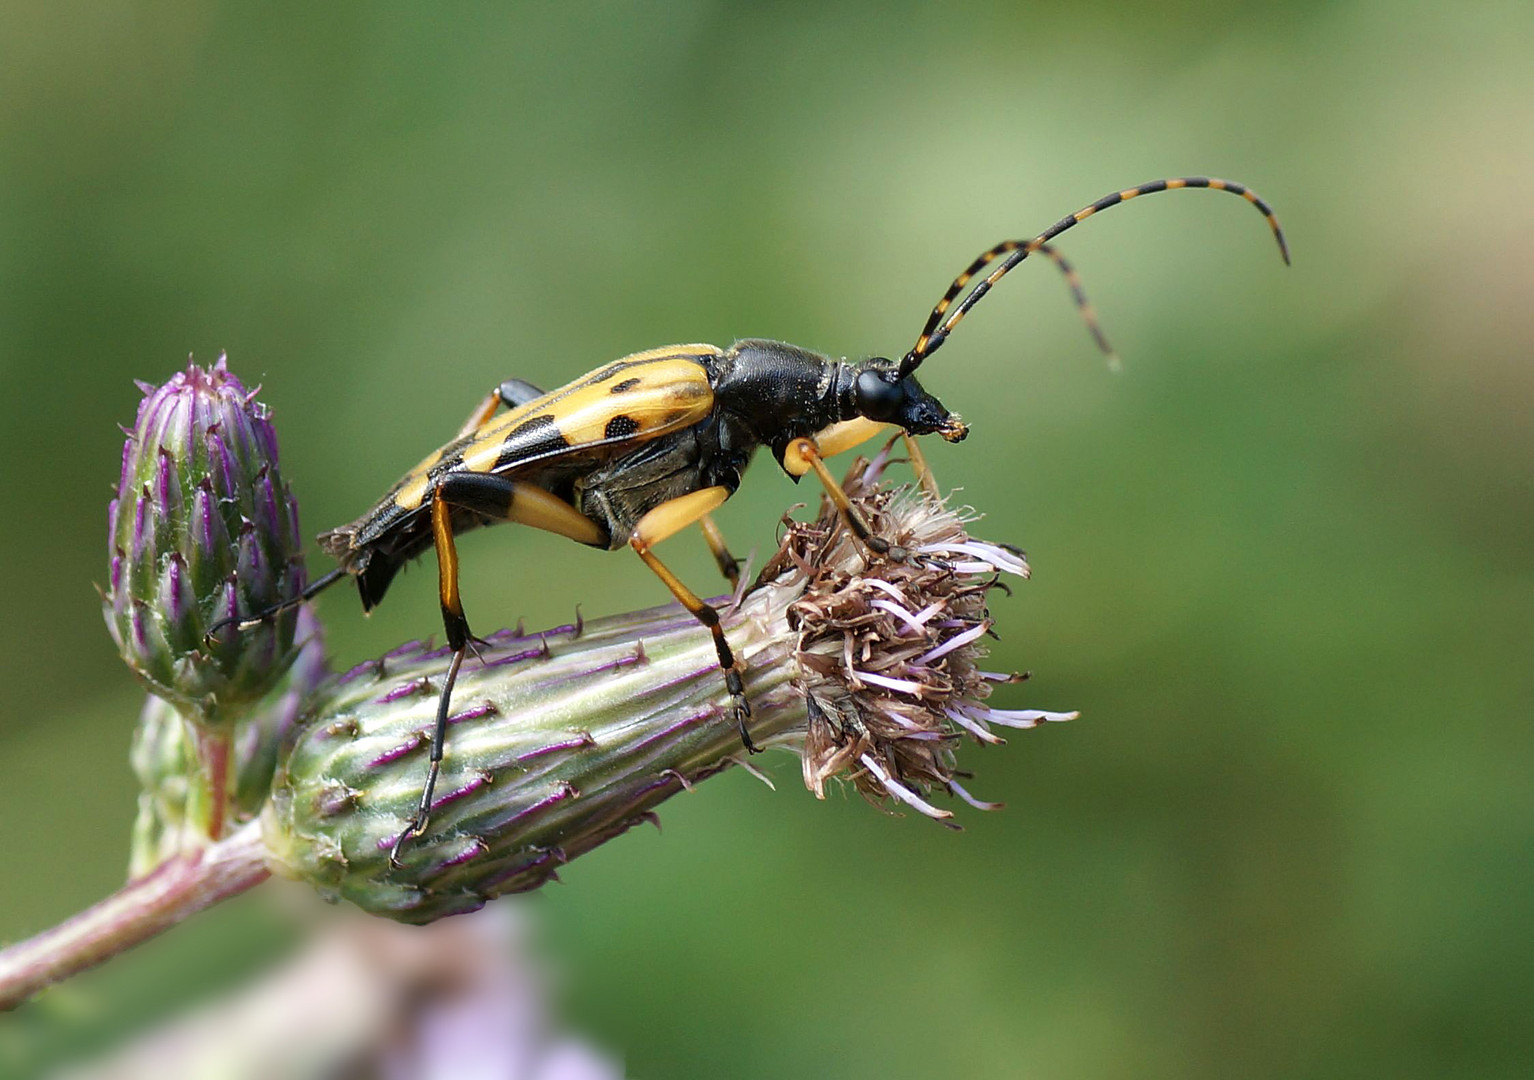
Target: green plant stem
{"type": "Point", "coordinates": [137, 912]}
{"type": "Point", "coordinates": [211, 787]}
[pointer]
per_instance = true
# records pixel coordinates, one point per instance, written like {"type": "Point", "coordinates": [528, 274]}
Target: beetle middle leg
{"type": "Point", "coordinates": [806, 455]}
{"type": "Point", "coordinates": [728, 565]}
{"type": "Point", "coordinates": [922, 469]}
{"type": "Point", "coordinates": [507, 500]}
{"type": "Point", "coordinates": [665, 520]}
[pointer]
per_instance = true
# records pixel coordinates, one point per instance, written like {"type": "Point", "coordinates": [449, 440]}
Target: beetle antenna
{"type": "Point", "coordinates": [1083, 305]}
{"type": "Point", "coordinates": [247, 622]}
{"type": "Point", "coordinates": [937, 329]}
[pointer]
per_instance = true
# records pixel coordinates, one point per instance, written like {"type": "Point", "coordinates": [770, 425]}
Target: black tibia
{"type": "Point", "coordinates": [417, 823]}
{"type": "Point", "coordinates": [456, 626]}
{"type": "Point", "coordinates": [729, 566]}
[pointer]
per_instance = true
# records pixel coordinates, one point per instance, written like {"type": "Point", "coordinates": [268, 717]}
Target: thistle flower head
{"type": "Point", "coordinates": [865, 666]}
{"type": "Point", "coordinates": [889, 651]}
{"type": "Point", "coordinates": [202, 529]}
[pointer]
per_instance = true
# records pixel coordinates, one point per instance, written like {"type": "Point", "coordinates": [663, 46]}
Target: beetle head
{"type": "Point", "coordinates": [879, 393]}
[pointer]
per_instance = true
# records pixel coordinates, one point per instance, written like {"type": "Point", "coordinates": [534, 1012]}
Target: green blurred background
{"type": "Point", "coordinates": [1282, 562]}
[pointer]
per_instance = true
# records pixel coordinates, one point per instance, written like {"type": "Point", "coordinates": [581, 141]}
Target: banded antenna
{"type": "Point", "coordinates": [1012, 252]}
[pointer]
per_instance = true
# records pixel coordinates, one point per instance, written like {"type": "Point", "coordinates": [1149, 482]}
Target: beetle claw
{"type": "Point", "coordinates": [742, 715]}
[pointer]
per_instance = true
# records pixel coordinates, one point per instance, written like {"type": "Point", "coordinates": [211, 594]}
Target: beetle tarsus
{"type": "Point", "coordinates": [742, 709]}
{"type": "Point", "coordinates": [742, 720]}
{"type": "Point", "coordinates": [740, 706]}
{"type": "Point", "coordinates": [419, 820]}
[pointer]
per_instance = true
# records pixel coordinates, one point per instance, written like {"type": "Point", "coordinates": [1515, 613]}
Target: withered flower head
{"type": "Point", "coordinates": [889, 651]}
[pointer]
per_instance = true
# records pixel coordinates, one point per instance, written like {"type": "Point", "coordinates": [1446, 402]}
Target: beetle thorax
{"type": "Point", "coordinates": [782, 392]}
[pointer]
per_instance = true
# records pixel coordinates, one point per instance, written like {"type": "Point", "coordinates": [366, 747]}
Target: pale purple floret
{"type": "Point", "coordinates": [1022, 719]}
{"type": "Point", "coordinates": [978, 804]}
{"type": "Point", "coordinates": [974, 727]}
{"type": "Point", "coordinates": [887, 587]}
{"type": "Point", "coordinates": [900, 791]}
{"type": "Point", "coordinates": [903, 686]}
{"type": "Point", "coordinates": [991, 556]}
{"type": "Point", "coordinates": [912, 623]}
{"type": "Point", "coordinates": [956, 642]}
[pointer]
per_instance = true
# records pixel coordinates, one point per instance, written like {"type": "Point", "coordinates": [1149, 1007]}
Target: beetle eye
{"type": "Point", "coordinates": [878, 399]}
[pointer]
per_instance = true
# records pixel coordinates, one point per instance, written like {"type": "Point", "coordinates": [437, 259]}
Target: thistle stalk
{"type": "Point", "coordinates": [144, 908]}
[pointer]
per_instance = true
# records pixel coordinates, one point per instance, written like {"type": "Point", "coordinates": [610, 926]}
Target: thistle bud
{"type": "Point", "coordinates": [867, 667]}
{"type": "Point", "coordinates": [163, 760]}
{"type": "Point", "coordinates": [203, 529]}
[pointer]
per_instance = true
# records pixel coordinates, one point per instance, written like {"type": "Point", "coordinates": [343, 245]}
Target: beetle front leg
{"type": "Point", "coordinates": [806, 451]}
{"type": "Point", "coordinates": [666, 520]}
{"type": "Point", "coordinates": [923, 470]}
{"type": "Point", "coordinates": [800, 455]}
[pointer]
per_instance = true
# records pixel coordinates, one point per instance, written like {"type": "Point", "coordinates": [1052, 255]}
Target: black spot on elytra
{"type": "Point", "coordinates": [621, 426]}
{"type": "Point", "coordinates": [625, 386]}
{"type": "Point", "coordinates": [532, 438]}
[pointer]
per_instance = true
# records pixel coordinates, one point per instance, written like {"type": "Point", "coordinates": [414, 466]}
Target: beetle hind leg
{"type": "Point", "coordinates": [511, 393]}
{"type": "Point", "coordinates": [456, 626]}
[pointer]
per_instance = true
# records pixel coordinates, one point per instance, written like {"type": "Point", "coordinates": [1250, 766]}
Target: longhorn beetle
{"type": "Point", "coordinates": [652, 443]}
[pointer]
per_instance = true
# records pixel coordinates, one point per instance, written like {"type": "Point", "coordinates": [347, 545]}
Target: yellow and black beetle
{"type": "Point", "coordinates": [648, 445]}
